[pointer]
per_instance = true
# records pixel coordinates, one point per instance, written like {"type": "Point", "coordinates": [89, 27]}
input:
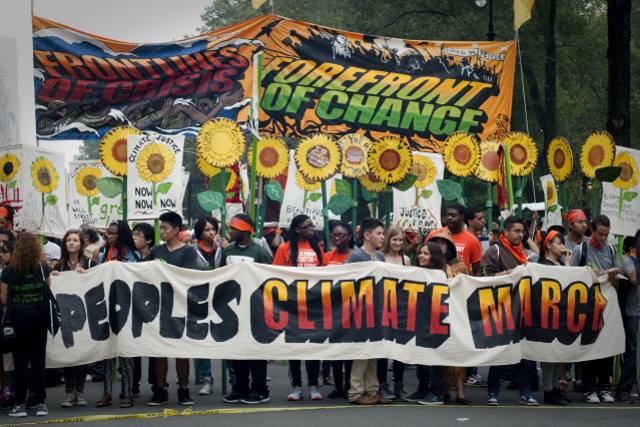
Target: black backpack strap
{"type": "Point", "coordinates": [583, 254]}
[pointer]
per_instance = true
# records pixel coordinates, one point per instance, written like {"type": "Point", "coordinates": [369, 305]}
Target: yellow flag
{"type": "Point", "coordinates": [257, 3]}
{"type": "Point", "coordinates": [521, 12]}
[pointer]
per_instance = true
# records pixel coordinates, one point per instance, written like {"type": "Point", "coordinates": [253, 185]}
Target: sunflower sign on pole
{"type": "Point", "coordinates": [560, 164]}
{"type": "Point", "coordinates": [154, 175]}
{"type": "Point", "coordinates": [552, 207]}
{"type": "Point", "coordinates": [418, 208]}
{"type": "Point", "coordinates": [220, 144]}
{"type": "Point", "coordinates": [318, 158]}
{"type": "Point", "coordinates": [271, 161]}
{"type": "Point", "coordinates": [523, 157]}
{"type": "Point", "coordinates": [487, 170]}
{"type": "Point", "coordinates": [113, 155]}
{"type": "Point", "coordinates": [596, 157]}
{"type": "Point", "coordinates": [390, 160]}
{"type": "Point", "coordinates": [461, 155]}
{"type": "Point", "coordinates": [32, 182]}
{"type": "Point", "coordinates": [87, 205]}
{"type": "Point", "coordinates": [620, 201]}
{"type": "Point", "coordinates": [355, 148]}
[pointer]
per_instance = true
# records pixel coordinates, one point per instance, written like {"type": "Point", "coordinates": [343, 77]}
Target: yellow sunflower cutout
{"type": "Point", "coordinates": [206, 168]}
{"type": "Point", "coordinates": [113, 149]}
{"type": "Point", "coordinates": [551, 194]}
{"type": "Point", "coordinates": [523, 153]}
{"type": "Point", "coordinates": [461, 153]}
{"type": "Point", "coordinates": [86, 180]}
{"type": "Point", "coordinates": [272, 159]}
{"type": "Point", "coordinates": [425, 170]}
{"type": "Point", "coordinates": [371, 183]}
{"type": "Point", "coordinates": [354, 155]}
{"type": "Point", "coordinates": [155, 162]}
{"type": "Point", "coordinates": [597, 152]}
{"type": "Point", "coordinates": [306, 184]}
{"type": "Point", "coordinates": [629, 174]}
{"type": "Point", "coordinates": [489, 161]}
{"type": "Point", "coordinates": [9, 167]}
{"type": "Point", "coordinates": [560, 159]}
{"type": "Point", "coordinates": [220, 142]}
{"type": "Point", "coordinates": [318, 157]}
{"type": "Point", "coordinates": [390, 160]}
{"type": "Point", "coordinates": [44, 175]}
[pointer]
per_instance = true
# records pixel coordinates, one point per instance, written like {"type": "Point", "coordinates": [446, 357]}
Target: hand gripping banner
{"type": "Point", "coordinates": [355, 311]}
{"type": "Point", "coordinates": [314, 79]}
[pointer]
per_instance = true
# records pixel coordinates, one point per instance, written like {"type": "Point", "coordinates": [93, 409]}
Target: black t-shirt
{"type": "Point", "coordinates": [186, 257]}
{"type": "Point", "coordinates": [26, 291]}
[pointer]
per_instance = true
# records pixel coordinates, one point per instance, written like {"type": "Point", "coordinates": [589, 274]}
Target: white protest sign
{"type": "Point", "coordinates": [623, 213]}
{"type": "Point", "coordinates": [418, 208]}
{"type": "Point", "coordinates": [298, 200]}
{"type": "Point", "coordinates": [33, 183]}
{"type": "Point", "coordinates": [87, 205]}
{"type": "Point", "coordinates": [154, 178]}
{"type": "Point", "coordinates": [553, 210]}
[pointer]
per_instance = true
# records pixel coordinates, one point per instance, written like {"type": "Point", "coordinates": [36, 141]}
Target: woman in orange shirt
{"type": "Point", "coordinates": [301, 250]}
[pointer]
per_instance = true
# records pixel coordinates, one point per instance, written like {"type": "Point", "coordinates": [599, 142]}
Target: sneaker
{"type": "Point", "coordinates": [624, 397]}
{"type": "Point", "coordinates": [385, 393]}
{"type": "Point", "coordinates": [254, 398]}
{"type": "Point", "coordinates": [314, 393]}
{"type": "Point", "coordinates": [233, 397]}
{"type": "Point", "coordinates": [159, 398]}
{"type": "Point", "coordinates": [433, 400]}
{"type": "Point", "coordinates": [475, 381]}
{"type": "Point", "coordinates": [555, 397]}
{"type": "Point", "coordinates": [335, 394]}
{"type": "Point", "coordinates": [365, 400]}
{"type": "Point", "coordinates": [382, 400]}
{"type": "Point", "coordinates": [528, 400]}
{"type": "Point", "coordinates": [591, 397]}
{"type": "Point", "coordinates": [41, 410]}
{"type": "Point", "coordinates": [415, 396]}
{"type": "Point", "coordinates": [398, 390]}
{"type": "Point", "coordinates": [606, 397]}
{"type": "Point", "coordinates": [207, 388]}
{"type": "Point", "coordinates": [69, 400]}
{"type": "Point", "coordinates": [80, 400]}
{"type": "Point", "coordinates": [184, 398]}
{"type": "Point", "coordinates": [295, 395]}
{"type": "Point", "coordinates": [18, 411]}
{"type": "Point", "coordinates": [492, 399]}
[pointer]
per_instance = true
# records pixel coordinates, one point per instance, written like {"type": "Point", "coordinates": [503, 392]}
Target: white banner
{"type": "Point", "coordinates": [86, 204]}
{"type": "Point", "coordinates": [624, 217]}
{"type": "Point", "coordinates": [552, 208]}
{"type": "Point", "coordinates": [354, 311]}
{"type": "Point", "coordinates": [298, 200]}
{"type": "Point", "coordinates": [418, 208]}
{"type": "Point", "coordinates": [32, 180]}
{"type": "Point", "coordinates": [154, 175]}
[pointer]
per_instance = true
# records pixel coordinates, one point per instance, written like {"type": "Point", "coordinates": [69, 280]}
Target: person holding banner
{"type": "Point", "coordinates": [500, 260]}
{"type": "Point", "coordinates": [301, 250]}
{"type": "Point", "coordinates": [72, 258]}
{"type": "Point", "coordinates": [176, 253]}
{"type": "Point", "coordinates": [24, 291]}
{"type": "Point", "coordinates": [577, 220]}
{"type": "Point", "coordinates": [243, 248]}
{"type": "Point", "coordinates": [119, 247]}
{"type": "Point", "coordinates": [430, 380]}
{"type": "Point", "coordinates": [364, 386]}
{"type": "Point", "coordinates": [206, 230]}
{"type": "Point", "coordinates": [467, 245]}
{"type": "Point", "coordinates": [553, 252]}
{"type": "Point", "coordinates": [603, 259]}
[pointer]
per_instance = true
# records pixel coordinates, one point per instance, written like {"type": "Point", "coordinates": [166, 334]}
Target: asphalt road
{"type": "Point", "coordinates": [328, 412]}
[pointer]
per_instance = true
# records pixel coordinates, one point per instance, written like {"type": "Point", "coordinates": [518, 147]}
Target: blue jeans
{"type": "Point", "coordinates": [523, 370]}
{"type": "Point", "coordinates": [430, 379]}
{"type": "Point", "coordinates": [203, 370]}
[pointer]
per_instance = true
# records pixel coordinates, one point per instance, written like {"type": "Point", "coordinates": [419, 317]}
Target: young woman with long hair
{"type": "Point", "coordinates": [119, 247]}
{"type": "Point", "coordinates": [301, 250]}
{"type": "Point", "coordinates": [72, 258]}
{"type": "Point", "coordinates": [393, 249]}
{"type": "Point", "coordinates": [24, 290]}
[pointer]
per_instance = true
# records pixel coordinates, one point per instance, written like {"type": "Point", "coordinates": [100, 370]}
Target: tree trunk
{"type": "Point", "coordinates": [618, 55]}
{"type": "Point", "coordinates": [550, 98]}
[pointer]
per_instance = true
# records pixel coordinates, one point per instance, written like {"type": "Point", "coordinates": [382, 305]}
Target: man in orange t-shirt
{"type": "Point", "coordinates": [467, 245]}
